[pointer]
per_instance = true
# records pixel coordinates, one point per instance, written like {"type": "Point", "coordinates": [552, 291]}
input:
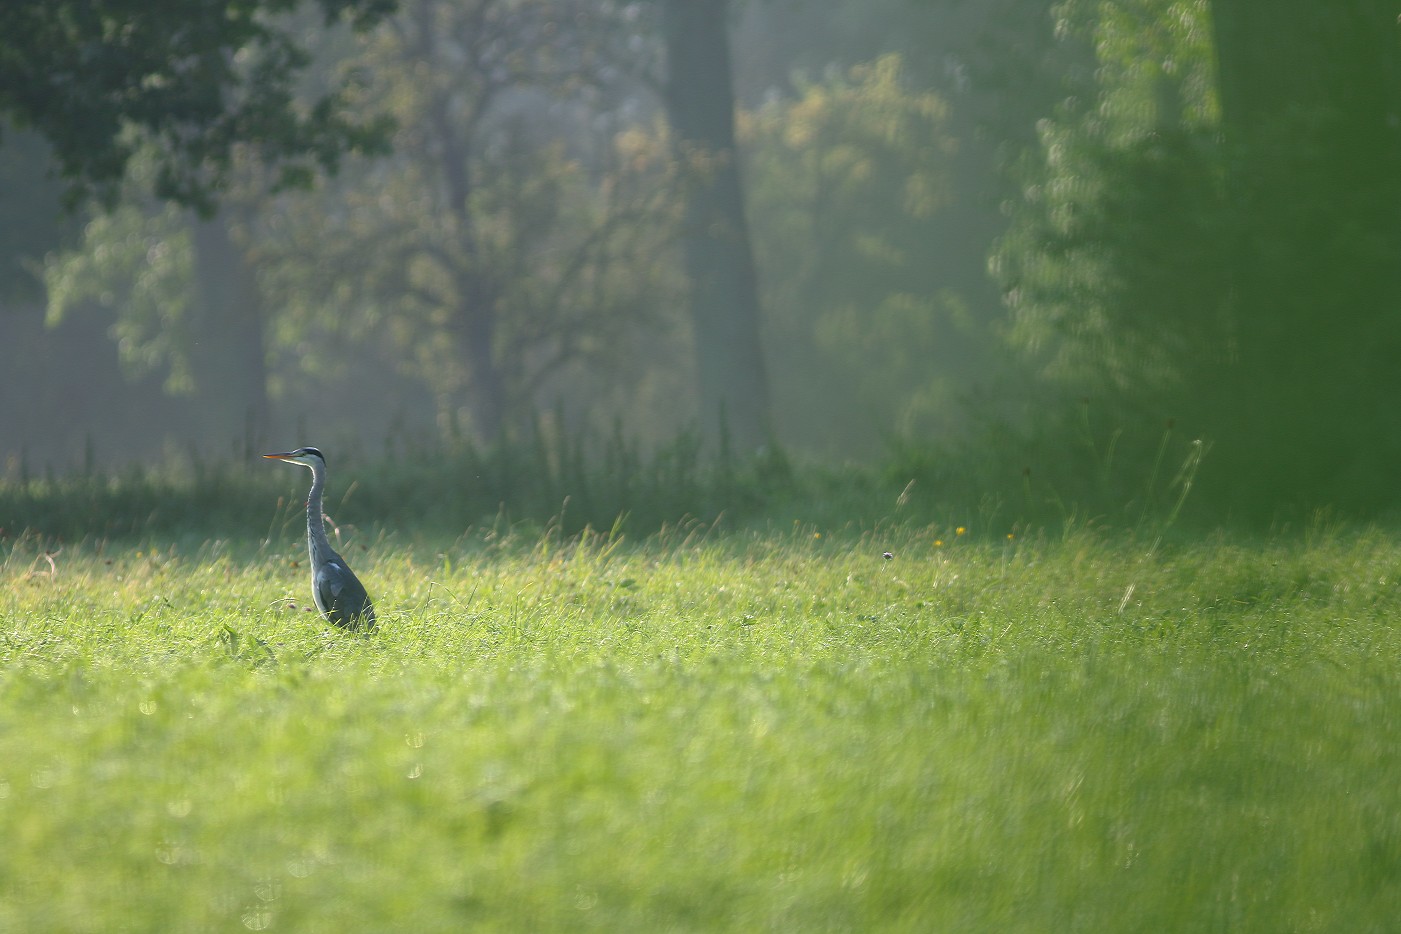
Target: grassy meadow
{"type": "Point", "coordinates": [775, 727]}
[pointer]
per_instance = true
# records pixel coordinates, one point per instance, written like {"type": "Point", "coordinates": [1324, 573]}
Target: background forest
{"type": "Point", "coordinates": [985, 241]}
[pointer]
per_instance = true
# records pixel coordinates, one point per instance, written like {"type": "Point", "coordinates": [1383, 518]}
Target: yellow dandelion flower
{"type": "Point", "coordinates": [960, 530]}
{"type": "Point", "coordinates": [938, 543]}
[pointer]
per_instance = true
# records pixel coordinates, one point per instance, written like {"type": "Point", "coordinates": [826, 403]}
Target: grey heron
{"type": "Point", "coordinates": [338, 593]}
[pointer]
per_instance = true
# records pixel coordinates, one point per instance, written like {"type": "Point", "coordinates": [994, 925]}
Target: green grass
{"type": "Point", "coordinates": [776, 730]}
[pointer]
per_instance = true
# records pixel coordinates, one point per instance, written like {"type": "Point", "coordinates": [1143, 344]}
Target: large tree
{"type": "Point", "coordinates": [200, 78]}
{"type": "Point", "coordinates": [732, 383]}
{"type": "Point", "coordinates": [504, 240]}
{"type": "Point", "coordinates": [1311, 116]}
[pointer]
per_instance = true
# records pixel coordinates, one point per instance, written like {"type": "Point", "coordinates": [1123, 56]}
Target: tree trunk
{"type": "Point", "coordinates": [732, 385]}
{"type": "Point", "coordinates": [474, 320]}
{"type": "Point", "coordinates": [227, 350]}
{"type": "Point", "coordinates": [1310, 412]}
{"type": "Point", "coordinates": [475, 332]}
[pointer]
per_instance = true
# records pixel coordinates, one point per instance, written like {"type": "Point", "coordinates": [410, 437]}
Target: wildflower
{"type": "Point", "coordinates": [960, 530]}
{"type": "Point", "coordinates": [938, 543]}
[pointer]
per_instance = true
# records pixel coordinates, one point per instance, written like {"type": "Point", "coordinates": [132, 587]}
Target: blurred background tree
{"type": "Point", "coordinates": [1112, 263]}
{"type": "Point", "coordinates": [199, 79]}
{"type": "Point", "coordinates": [510, 248]}
{"type": "Point", "coordinates": [500, 258]}
{"type": "Point", "coordinates": [182, 307]}
{"type": "Point", "coordinates": [849, 177]}
{"type": "Point", "coordinates": [195, 88]}
{"type": "Point", "coordinates": [1311, 130]}
{"type": "Point", "coordinates": [732, 384]}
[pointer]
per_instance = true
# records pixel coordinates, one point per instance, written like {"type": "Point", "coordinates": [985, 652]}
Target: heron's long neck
{"type": "Point", "coordinates": [316, 544]}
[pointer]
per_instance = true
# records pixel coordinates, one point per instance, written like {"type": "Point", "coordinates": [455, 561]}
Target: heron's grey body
{"type": "Point", "coordinates": [338, 593]}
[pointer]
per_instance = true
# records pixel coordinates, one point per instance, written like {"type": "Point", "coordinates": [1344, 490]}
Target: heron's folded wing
{"type": "Point", "coordinates": [331, 580]}
{"type": "Point", "coordinates": [341, 594]}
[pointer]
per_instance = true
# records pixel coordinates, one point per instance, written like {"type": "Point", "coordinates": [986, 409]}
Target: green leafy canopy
{"type": "Point", "coordinates": [201, 78]}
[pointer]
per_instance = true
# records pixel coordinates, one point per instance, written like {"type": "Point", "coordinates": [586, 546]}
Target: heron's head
{"type": "Point", "coordinates": [307, 457]}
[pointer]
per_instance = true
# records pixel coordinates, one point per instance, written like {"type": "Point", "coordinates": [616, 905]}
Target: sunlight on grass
{"type": "Point", "coordinates": [768, 731]}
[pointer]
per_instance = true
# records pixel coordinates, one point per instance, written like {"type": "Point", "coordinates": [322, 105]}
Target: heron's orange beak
{"type": "Point", "coordinates": [278, 457]}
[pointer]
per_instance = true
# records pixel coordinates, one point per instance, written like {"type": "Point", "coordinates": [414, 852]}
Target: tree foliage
{"type": "Point", "coordinates": [201, 79]}
{"type": "Point", "coordinates": [498, 249]}
{"type": "Point", "coordinates": [499, 258]}
{"type": "Point", "coordinates": [848, 178]}
{"type": "Point", "coordinates": [1113, 264]}
{"type": "Point", "coordinates": [139, 268]}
